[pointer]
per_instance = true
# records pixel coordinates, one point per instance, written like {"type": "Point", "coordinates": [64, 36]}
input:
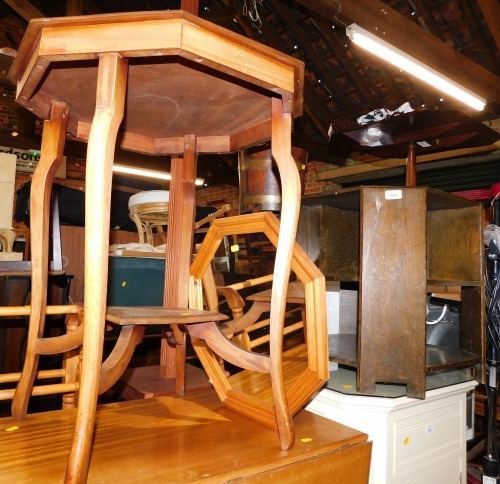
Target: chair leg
{"type": "Point", "coordinates": [7, 238]}
{"type": "Point", "coordinates": [71, 361]}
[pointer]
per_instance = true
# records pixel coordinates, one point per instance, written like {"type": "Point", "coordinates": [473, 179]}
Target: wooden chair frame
{"type": "Point", "coordinates": [148, 217]}
{"type": "Point", "coordinates": [236, 304]}
{"type": "Point", "coordinates": [68, 344]}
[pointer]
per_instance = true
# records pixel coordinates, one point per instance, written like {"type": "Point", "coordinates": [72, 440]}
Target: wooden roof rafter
{"type": "Point", "coordinates": [314, 58]}
{"type": "Point", "coordinates": [491, 14]}
{"type": "Point", "coordinates": [314, 105]}
{"type": "Point", "coordinates": [426, 20]}
{"type": "Point", "coordinates": [339, 51]}
{"type": "Point", "coordinates": [377, 17]}
{"type": "Point", "coordinates": [24, 9]}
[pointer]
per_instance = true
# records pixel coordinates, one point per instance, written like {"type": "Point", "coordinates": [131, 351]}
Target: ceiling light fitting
{"type": "Point", "coordinates": [400, 59]}
{"type": "Point", "coordinates": [159, 175]}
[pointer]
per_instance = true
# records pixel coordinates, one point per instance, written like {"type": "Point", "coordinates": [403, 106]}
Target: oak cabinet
{"type": "Point", "coordinates": [395, 246]}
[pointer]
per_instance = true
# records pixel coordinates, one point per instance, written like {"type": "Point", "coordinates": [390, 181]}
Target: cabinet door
{"type": "Point", "coordinates": [391, 329]}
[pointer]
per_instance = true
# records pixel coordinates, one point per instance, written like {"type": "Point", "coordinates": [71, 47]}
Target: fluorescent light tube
{"type": "Point", "coordinates": [398, 58]}
{"type": "Point", "coordinates": [130, 170]}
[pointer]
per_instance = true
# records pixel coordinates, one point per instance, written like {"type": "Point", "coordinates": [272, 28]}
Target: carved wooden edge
{"type": "Point", "coordinates": [119, 358]}
{"type": "Point", "coordinates": [315, 300]}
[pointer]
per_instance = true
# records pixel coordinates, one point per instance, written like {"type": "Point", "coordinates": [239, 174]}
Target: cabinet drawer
{"type": "Point", "coordinates": [427, 436]}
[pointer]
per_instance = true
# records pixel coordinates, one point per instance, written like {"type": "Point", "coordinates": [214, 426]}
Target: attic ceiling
{"type": "Point", "coordinates": [459, 37]}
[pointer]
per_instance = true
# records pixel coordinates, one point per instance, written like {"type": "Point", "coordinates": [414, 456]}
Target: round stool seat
{"type": "Point", "coordinates": [149, 196]}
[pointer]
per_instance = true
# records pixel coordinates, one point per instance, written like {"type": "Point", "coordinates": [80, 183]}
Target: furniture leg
{"type": "Point", "coordinates": [54, 134]}
{"type": "Point", "coordinates": [111, 87]}
{"type": "Point", "coordinates": [7, 238]}
{"type": "Point", "coordinates": [209, 338]}
{"type": "Point", "coordinates": [116, 363]}
{"type": "Point", "coordinates": [71, 361]}
{"type": "Point", "coordinates": [411, 166]}
{"type": "Point", "coordinates": [290, 205]}
{"type": "Point", "coordinates": [179, 254]}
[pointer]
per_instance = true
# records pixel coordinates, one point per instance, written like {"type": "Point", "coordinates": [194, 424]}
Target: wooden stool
{"type": "Point", "coordinates": [149, 211]}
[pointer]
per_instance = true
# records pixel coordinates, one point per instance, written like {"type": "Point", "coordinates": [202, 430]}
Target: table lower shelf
{"type": "Point", "coordinates": [146, 382]}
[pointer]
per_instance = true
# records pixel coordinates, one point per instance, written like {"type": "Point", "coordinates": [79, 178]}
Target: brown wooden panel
{"type": "Point", "coordinates": [348, 465]}
{"type": "Point", "coordinates": [339, 239]}
{"type": "Point", "coordinates": [391, 340]}
{"type": "Point", "coordinates": [454, 245]}
{"type": "Point", "coordinates": [422, 236]}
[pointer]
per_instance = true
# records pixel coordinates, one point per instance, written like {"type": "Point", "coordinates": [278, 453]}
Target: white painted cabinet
{"type": "Point", "coordinates": [414, 441]}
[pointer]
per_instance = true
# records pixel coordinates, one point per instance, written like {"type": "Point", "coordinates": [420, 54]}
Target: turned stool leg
{"type": "Point", "coordinates": [54, 134]}
{"type": "Point", "coordinates": [7, 238]}
{"type": "Point", "coordinates": [71, 360]}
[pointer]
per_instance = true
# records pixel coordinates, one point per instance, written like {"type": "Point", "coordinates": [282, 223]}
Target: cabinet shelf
{"type": "Point", "coordinates": [343, 349]}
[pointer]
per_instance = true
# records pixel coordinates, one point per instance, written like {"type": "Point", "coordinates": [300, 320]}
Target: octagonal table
{"type": "Point", "coordinates": [157, 83]}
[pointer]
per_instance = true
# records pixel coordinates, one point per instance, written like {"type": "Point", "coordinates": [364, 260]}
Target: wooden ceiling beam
{"type": "Point", "coordinates": [491, 13]}
{"type": "Point", "coordinates": [426, 20]}
{"type": "Point", "coordinates": [356, 173]}
{"type": "Point", "coordinates": [317, 64]}
{"type": "Point", "coordinates": [316, 111]}
{"type": "Point", "coordinates": [483, 42]}
{"type": "Point", "coordinates": [338, 50]}
{"type": "Point", "coordinates": [90, 7]}
{"type": "Point", "coordinates": [24, 9]}
{"type": "Point", "coordinates": [74, 7]}
{"type": "Point", "coordinates": [378, 18]}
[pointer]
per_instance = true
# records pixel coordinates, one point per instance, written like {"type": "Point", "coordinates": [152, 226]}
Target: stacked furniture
{"type": "Point", "coordinates": [166, 83]}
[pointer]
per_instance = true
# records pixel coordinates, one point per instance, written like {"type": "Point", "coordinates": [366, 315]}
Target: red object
{"type": "Point", "coordinates": [484, 194]}
{"type": "Point", "coordinates": [495, 189]}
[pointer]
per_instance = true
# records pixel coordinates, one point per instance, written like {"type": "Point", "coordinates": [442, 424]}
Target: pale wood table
{"type": "Point", "coordinates": [194, 439]}
{"type": "Point", "coordinates": [158, 83]}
